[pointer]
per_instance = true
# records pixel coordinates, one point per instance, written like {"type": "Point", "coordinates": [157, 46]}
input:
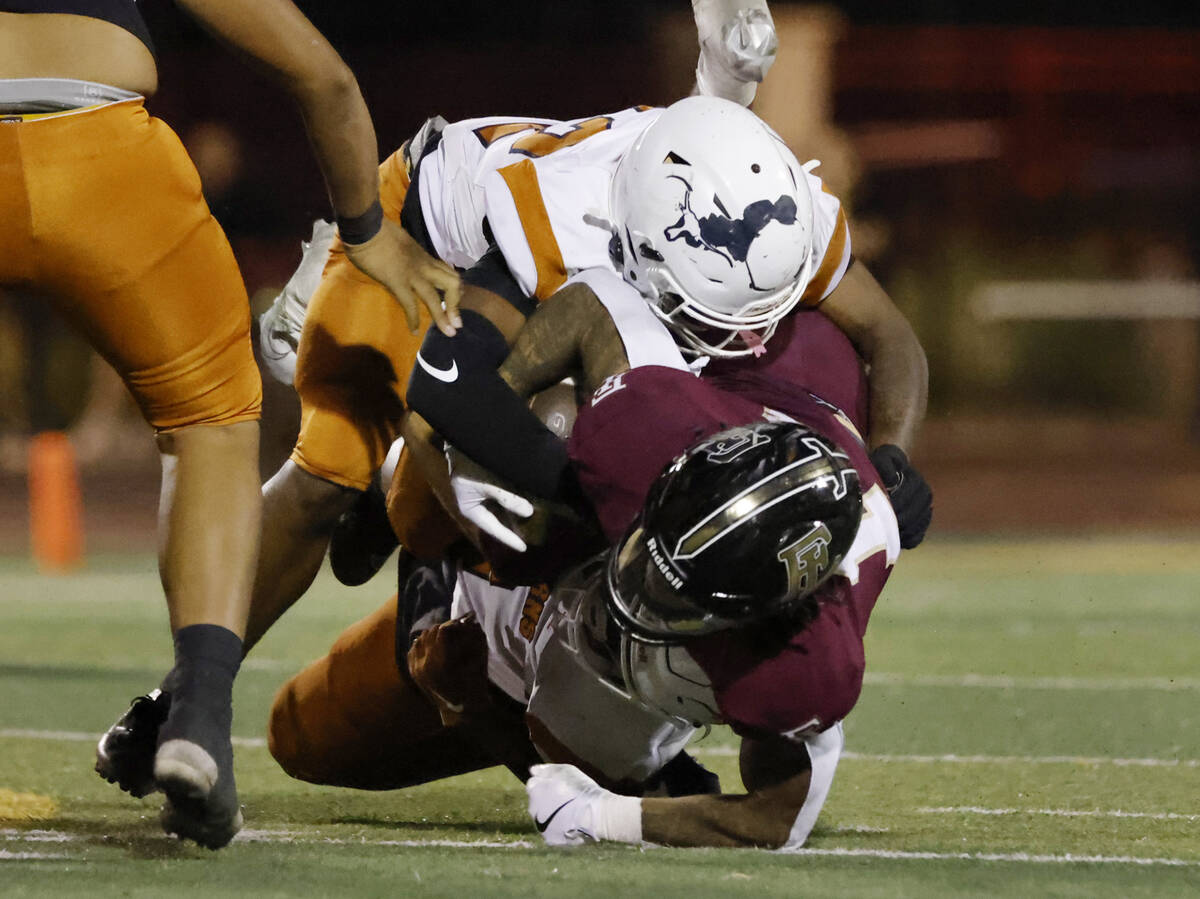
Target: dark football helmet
{"type": "Point", "coordinates": [743, 527]}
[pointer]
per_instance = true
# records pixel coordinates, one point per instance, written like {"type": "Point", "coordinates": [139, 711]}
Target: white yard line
{"type": "Point", "coordinates": [1021, 857]}
{"type": "Point", "coordinates": [255, 663]}
{"type": "Point", "coordinates": [76, 736]}
{"type": "Point", "coordinates": [67, 736]}
{"type": "Point", "coordinates": [37, 836]}
{"type": "Point", "coordinates": [1057, 813]}
{"type": "Point", "coordinates": [953, 759]}
{"type": "Point", "coordinates": [291, 837]}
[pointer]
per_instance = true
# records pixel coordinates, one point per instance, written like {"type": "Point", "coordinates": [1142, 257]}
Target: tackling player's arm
{"type": "Point", "coordinates": [899, 375]}
{"type": "Point", "coordinates": [492, 322]}
{"type": "Point", "coordinates": [570, 809]}
{"type": "Point", "coordinates": [571, 333]}
{"type": "Point", "coordinates": [898, 378]}
{"type": "Point", "coordinates": [776, 772]}
{"type": "Point", "coordinates": [275, 34]}
{"type": "Point", "coordinates": [484, 413]}
{"type": "Point", "coordinates": [487, 416]}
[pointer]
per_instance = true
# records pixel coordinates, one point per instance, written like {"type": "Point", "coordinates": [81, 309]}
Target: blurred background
{"type": "Point", "coordinates": [1022, 181]}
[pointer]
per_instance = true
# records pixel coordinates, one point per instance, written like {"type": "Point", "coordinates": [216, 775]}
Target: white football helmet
{"type": "Point", "coordinates": [714, 222]}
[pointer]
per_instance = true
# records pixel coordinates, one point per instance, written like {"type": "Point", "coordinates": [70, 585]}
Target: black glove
{"type": "Point", "coordinates": [912, 500]}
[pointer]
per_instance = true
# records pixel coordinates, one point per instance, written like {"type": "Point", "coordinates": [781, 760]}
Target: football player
{"type": "Point", "coordinates": [516, 204]}
{"type": "Point", "coordinates": [738, 594]}
{"type": "Point", "coordinates": [544, 198]}
{"type": "Point", "coordinates": [101, 209]}
{"type": "Point", "coordinates": [521, 194]}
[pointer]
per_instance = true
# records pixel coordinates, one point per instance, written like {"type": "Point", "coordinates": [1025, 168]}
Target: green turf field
{"type": "Point", "coordinates": [1030, 726]}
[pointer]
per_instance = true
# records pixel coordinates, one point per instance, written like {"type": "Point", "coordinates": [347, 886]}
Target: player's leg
{"type": "Point", "coordinates": [355, 718]}
{"type": "Point", "coordinates": [737, 47]}
{"type": "Point", "coordinates": [140, 265]}
{"type": "Point", "coordinates": [348, 375]}
{"type": "Point", "coordinates": [363, 540]}
{"type": "Point", "coordinates": [299, 513]}
{"type": "Point", "coordinates": [351, 371]}
{"type": "Point", "coordinates": [209, 518]}
{"type": "Point", "coordinates": [195, 554]}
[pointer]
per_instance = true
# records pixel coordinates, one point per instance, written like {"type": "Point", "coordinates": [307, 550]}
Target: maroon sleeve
{"type": "Point", "coordinates": [634, 425]}
{"type": "Point", "coordinates": [809, 685]}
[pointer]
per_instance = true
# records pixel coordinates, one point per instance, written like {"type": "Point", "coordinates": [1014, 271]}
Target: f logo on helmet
{"type": "Point", "coordinates": [807, 560]}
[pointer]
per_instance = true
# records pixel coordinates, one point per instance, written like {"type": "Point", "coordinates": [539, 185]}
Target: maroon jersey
{"type": "Point", "coordinates": [633, 426]}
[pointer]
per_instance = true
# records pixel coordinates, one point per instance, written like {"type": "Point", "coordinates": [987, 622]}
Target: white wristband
{"type": "Point", "coordinates": [617, 818]}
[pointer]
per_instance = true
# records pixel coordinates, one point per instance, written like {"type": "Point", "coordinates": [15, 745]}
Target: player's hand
{"type": "Point", "coordinates": [911, 497]}
{"type": "Point", "coordinates": [473, 492]}
{"type": "Point", "coordinates": [448, 662]}
{"type": "Point", "coordinates": [561, 803]}
{"type": "Point", "coordinates": [394, 259]}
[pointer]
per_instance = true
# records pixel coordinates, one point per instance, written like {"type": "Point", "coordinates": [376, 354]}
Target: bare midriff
{"type": "Point", "coordinates": [53, 45]}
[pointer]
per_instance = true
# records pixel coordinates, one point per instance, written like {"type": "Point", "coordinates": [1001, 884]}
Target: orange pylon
{"type": "Point", "coordinates": [55, 503]}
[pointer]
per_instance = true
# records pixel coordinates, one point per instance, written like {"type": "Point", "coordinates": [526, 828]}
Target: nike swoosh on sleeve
{"type": "Point", "coordinates": [456, 707]}
{"type": "Point", "coordinates": [445, 375]}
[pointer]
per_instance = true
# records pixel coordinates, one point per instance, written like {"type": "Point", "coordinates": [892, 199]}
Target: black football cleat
{"type": "Point", "coordinates": [362, 540]}
{"type": "Point", "coordinates": [125, 753]}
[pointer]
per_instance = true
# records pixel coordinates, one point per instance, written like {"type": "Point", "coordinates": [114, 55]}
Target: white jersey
{"type": "Point", "coordinates": [543, 187]}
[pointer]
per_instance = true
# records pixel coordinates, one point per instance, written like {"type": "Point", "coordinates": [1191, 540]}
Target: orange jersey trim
{"type": "Point", "coordinates": [393, 184]}
{"type": "Point", "coordinates": [522, 181]}
{"type": "Point", "coordinates": [834, 253]}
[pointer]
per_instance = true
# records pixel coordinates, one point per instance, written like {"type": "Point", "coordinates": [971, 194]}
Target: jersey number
{"type": "Point", "coordinates": [542, 142]}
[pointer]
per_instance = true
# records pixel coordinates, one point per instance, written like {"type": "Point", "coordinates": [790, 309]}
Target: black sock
{"type": "Point", "coordinates": [207, 658]}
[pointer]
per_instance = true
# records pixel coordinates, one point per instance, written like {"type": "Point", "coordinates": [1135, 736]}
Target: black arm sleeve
{"type": "Point", "coordinates": [456, 388]}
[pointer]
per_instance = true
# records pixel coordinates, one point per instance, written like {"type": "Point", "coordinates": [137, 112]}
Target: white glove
{"type": "Point", "coordinates": [280, 326]}
{"type": "Point", "coordinates": [473, 493]}
{"type": "Point", "coordinates": [737, 47]}
{"type": "Point", "coordinates": [570, 809]}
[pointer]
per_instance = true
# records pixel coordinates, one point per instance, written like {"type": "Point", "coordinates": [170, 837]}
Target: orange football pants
{"type": "Point", "coordinates": [352, 369]}
{"type": "Point", "coordinates": [352, 718]}
{"type": "Point", "coordinates": [355, 356]}
{"type": "Point", "coordinates": [101, 210]}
